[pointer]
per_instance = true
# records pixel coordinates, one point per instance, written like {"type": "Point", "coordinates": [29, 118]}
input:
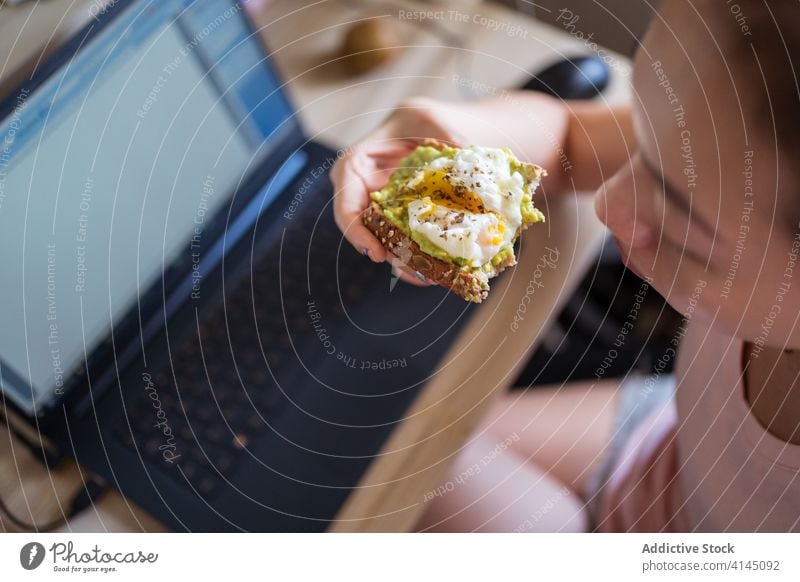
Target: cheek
{"type": "Point", "coordinates": [623, 205]}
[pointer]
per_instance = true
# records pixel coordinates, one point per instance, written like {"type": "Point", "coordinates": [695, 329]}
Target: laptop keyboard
{"type": "Point", "coordinates": [218, 394]}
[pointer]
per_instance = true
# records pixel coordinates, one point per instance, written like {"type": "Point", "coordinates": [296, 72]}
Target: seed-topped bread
{"type": "Point", "coordinates": [453, 214]}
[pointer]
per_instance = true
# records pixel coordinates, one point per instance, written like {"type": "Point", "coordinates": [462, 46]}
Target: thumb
{"type": "Point", "coordinates": [350, 199]}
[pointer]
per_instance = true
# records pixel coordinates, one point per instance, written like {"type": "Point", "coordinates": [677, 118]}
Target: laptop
{"type": "Point", "coordinates": [179, 312]}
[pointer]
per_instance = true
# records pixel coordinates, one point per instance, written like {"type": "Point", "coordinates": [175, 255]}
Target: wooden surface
{"type": "Point", "coordinates": [481, 365]}
{"type": "Point", "coordinates": [303, 37]}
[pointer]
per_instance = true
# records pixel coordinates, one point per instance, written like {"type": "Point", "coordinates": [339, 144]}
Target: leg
{"type": "Point", "coordinates": [565, 430]}
{"type": "Point", "coordinates": [552, 439]}
{"type": "Point", "coordinates": [490, 492]}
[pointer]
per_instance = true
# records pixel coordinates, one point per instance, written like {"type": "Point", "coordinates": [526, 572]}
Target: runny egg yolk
{"type": "Point", "coordinates": [436, 185]}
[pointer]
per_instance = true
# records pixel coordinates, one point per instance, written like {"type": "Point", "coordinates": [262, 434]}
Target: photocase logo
{"type": "Point", "coordinates": [31, 555]}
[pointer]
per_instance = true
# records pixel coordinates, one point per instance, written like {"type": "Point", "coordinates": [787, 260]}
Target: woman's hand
{"type": "Point", "coordinates": [368, 166]}
{"type": "Point", "coordinates": [534, 126]}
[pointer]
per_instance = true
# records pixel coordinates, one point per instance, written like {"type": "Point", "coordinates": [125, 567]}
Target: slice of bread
{"type": "Point", "coordinates": [470, 283]}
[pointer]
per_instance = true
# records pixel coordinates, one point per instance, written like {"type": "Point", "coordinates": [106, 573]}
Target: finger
{"type": "Point", "coordinates": [377, 166]}
{"type": "Point", "coordinates": [428, 119]}
{"type": "Point", "coordinates": [350, 199]}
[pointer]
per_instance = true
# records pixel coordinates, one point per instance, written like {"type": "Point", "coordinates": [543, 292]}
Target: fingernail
{"type": "Point", "coordinates": [420, 276]}
{"type": "Point", "coordinates": [365, 252]}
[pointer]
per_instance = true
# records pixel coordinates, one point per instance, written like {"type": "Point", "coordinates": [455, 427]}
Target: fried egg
{"type": "Point", "coordinates": [468, 204]}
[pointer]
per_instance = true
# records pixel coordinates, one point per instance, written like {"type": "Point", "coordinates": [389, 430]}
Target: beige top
{"type": "Point", "coordinates": [705, 463]}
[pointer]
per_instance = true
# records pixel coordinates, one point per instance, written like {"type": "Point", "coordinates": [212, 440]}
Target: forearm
{"type": "Point", "coordinates": [580, 143]}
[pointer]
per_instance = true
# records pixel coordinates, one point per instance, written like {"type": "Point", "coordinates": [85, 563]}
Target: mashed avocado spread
{"type": "Point", "coordinates": [405, 186]}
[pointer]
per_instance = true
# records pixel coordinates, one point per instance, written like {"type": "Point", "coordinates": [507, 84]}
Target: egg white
{"type": "Point", "coordinates": [487, 173]}
{"type": "Point", "coordinates": [474, 237]}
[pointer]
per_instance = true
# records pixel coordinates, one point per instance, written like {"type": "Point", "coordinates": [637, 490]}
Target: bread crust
{"type": "Point", "coordinates": [467, 282]}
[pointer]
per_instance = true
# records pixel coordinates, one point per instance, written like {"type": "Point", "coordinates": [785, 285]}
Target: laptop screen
{"type": "Point", "coordinates": [111, 166]}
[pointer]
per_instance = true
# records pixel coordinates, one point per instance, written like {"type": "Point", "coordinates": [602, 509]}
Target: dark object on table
{"type": "Point", "coordinates": [573, 78]}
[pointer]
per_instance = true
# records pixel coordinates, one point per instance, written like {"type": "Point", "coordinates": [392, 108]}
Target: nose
{"type": "Point", "coordinates": [624, 209]}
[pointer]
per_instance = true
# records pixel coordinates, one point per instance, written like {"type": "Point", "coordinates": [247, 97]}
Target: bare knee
{"type": "Point", "coordinates": [492, 489]}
